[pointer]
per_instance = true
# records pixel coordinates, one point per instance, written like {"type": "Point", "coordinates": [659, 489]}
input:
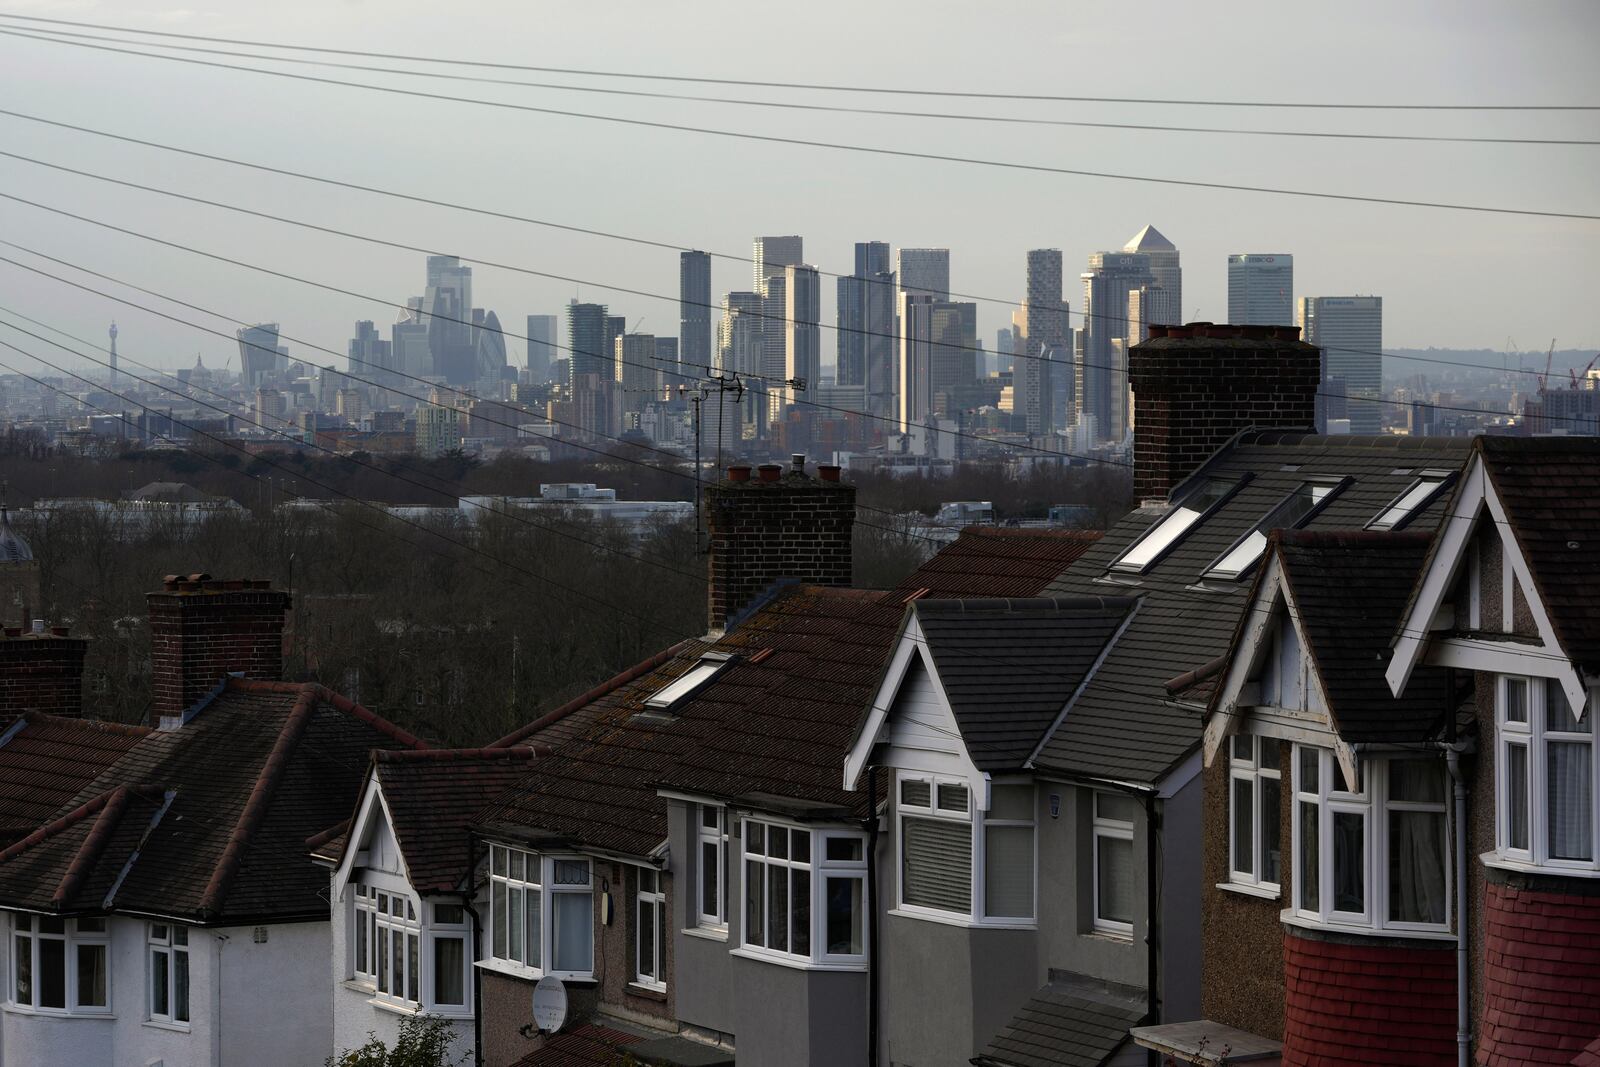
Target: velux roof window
{"type": "Point", "coordinates": [690, 682]}
{"type": "Point", "coordinates": [1294, 511]}
{"type": "Point", "coordinates": [1418, 495]}
{"type": "Point", "coordinates": [1166, 533]}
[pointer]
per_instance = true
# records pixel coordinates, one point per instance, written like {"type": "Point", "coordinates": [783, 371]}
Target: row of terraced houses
{"type": "Point", "coordinates": [1295, 764]}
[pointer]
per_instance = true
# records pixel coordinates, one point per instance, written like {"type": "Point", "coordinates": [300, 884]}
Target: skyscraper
{"type": "Point", "coordinates": [489, 349]}
{"type": "Point", "coordinates": [370, 356]}
{"type": "Point", "coordinates": [694, 309]}
{"type": "Point", "coordinates": [1261, 289]}
{"type": "Point", "coordinates": [1163, 304]}
{"type": "Point", "coordinates": [1103, 371]}
{"type": "Point", "coordinates": [586, 342]}
{"type": "Point", "coordinates": [925, 271]}
{"type": "Point", "coordinates": [637, 374]}
{"type": "Point", "coordinates": [408, 342]}
{"type": "Point", "coordinates": [938, 355]}
{"type": "Point", "coordinates": [258, 352]}
{"type": "Point", "coordinates": [1349, 330]}
{"type": "Point", "coordinates": [772, 254]}
{"type": "Point", "coordinates": [739, 339]}
{"type": "Point", "coordinates": [802, 351]}
{"type": "Point", "coordinates": [872, 257]}
{"type": "Point", "coordinates": [542, 351]}
{"type": "Point", "coordinates": [447, 308]}
{"type": "Point", "coordinates": [866, 310]}
{"type": "Point", "coordinates": [1045, 327]}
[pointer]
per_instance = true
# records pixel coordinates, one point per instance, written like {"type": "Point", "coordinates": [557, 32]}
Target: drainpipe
{"type": "Point", "coordinates": [1463, 1014]}
{"type": "Point", "coordinates": [872, 915]}
{"type": "Point", "coordinates": [477, 945]}
{"type": "Point", "coordinates": [1152, 829]}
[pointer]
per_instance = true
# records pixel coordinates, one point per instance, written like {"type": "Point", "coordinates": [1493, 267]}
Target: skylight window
{"type": "Point", "coordinates": [1417, 496]}
{"type": "Point", "coordinates": [1292, 512]}
{"type": "Point", "coordinates": [690, 682]}
{"type": "Point", "coordinates": [1160, 538]}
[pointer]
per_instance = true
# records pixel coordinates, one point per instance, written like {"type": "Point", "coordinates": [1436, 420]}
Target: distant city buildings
{"type": "Point", "coordinates": [1101, 402]}
{"type": "Point", "coordinates": [1261, 289]}
{"type": "Point", "coordinates": [694, 309]}
{"type": "Point", "coordinates": [1349, 330]}
{"type": "Point", "coordinates": [259, 353]}
{"type": "Point", "coordinates": [925, 271]}
{"type": "Point", "coordinates": [1044, 332]}
{"type": "Point", "coordinates": [587, 342]}
{"type": "Point", "coordinates": [543, 348]}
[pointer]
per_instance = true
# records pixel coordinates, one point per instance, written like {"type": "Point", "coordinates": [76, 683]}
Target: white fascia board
{"type": "Point", "coordinates": [1341, 748]}
{"type": "Point", "coordinates": [976, 779]}
{"type": "Point", "coordinates": [371, 801]}
{"type": "Point", "coordinates": [877, 718]}
{"type": "Point", "coordinates": [1450, 546]}
{"type": "Point", "coordinates": [1244, 660]}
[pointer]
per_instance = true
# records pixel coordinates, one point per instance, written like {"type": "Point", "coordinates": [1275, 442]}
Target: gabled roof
{"type": "Point", "coordinates": [1072, 1021]}
{"type": "Point", "coordinates": [46, 760]}
{"type": "Point", "coordinates": [772, 728]}
{"type": "Point", "coordinates": [238, 789]}
{"type": "Point", "coordinates": [1009, 666]}
{"type": "Point", "coordinates": [1125, 725]}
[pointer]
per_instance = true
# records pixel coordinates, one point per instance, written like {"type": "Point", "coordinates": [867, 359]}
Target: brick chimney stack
{"type": "Point", "coordinates": [201, 630]}
{"type": "Point", "coordinates": [40, 670]}
{"type": "Point", "coordinates": [781, 525]}
{"type": "Point", "coordinates": [1197, 386]}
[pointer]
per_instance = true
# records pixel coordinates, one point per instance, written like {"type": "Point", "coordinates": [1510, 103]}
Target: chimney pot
{"type": "Point", "coordinates": [770, 472]}
{"type": "Point", "coordinates": [1158, 331]}
{"type": "Point", "coordinates": [13, 631]}
{"type": "Point", "coordinates": [38, 627]}
{"type": "Point", "coordinates": [828, 472]}
{"type": "Point", "coordinates": [58, 631]}
{"type": "Point", "coordinates": [797, 462]}
{"type": "Point", "coordinates": [739, 473]}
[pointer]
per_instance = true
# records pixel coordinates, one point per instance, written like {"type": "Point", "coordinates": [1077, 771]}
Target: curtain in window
{"type": "Point", "coordinates": [937, 864]}
{"type": "Point", "coordinates": [1569, 800]}
{"type": "Point", "coordinates": [1349, 862]}
{"type": "Point", "coordinates": [449, 970]}
{"type": "Point", "coordinates": [1416, 867]}
{"type": "Point", "coordinates": [573, 922]}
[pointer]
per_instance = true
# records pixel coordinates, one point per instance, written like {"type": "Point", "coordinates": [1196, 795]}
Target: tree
{"type": "Point", "coordinates": [424, 1041]}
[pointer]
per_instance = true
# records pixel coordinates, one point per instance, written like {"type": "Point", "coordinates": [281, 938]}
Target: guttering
{"type": "Point", "coordinates": [477, 951]}
{"type": "Point", "coordinates": [1152, 922]}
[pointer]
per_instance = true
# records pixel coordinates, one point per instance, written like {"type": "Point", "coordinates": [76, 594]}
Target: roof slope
{"type": "Point", "coordinates": [259, 769]}
{"type": "Point", "coordinates": [1070, 1022]}
{"type": "Point", "coordinates": [773, 727]}
{"type": "Point", "coordinates": [46, 760]}
{"type": "Point", "coordinates": [1125, 725]}
{"type": "Point", "coordinates": [1009, 666]}
{"type": "Point", "coordinates": [1350, 587]}
{"type": "Point", "coordinates": [1550, 488]}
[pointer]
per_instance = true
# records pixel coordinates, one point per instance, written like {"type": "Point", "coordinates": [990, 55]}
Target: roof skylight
{"type": "Point", "coordinates": [1418, 495]}
{"type": "Point", "coordinates": [1293, 511]}
{"type": "Point", "coordinates": [1160, 538]}
{"type": "Point", "coordinates": [689, 682]}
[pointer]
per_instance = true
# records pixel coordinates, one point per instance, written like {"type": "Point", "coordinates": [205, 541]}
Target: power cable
{"type": "Point", "coordinates": [816, 86]}
{"type": "Point", "coordinates": [876, 150]}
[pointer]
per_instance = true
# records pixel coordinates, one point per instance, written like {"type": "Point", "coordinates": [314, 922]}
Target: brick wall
{"type": "Point", "coordinates": [1541, 971]}
{"type": "Point", "coordinates": [1363, 1002]}
{"type": "Point", "coordinates": [41, 673]}
{"type": "Point", "coordinates": [792, 527]}
{"type": "Point", "coordinates": [1197, 386]}
{"type": "Point", "coordinates": [201, 630]}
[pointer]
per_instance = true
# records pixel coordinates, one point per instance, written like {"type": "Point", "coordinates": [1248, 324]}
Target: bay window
{"type": "Point", "coordinates": [649, 927]}
{"type": "Point", "coordinates": [541, 912]}
{"type": "Point", "coordinates": [965, 863]}
{"type": "Point", "coordinates": [712, 871]}
{"type": "Point", "coordinates": [786, 869]}
{"type": "Point", "coordinates": [1114, 889]}
{"type": "Point", "coordinates": [1377, 856]}
{"type": "Point", "coordinates": [406, 962]}
{"type": "Point", "coordinates": [169, 973]}
{"type": "Point", "coordinates": [1254, 817]}
{"type": "Point", "coordinates": [59, 964]}
{"type": "Point", "coordinates": [448, 936]}
{"type": "Point", "coordinates": [1546, 776]}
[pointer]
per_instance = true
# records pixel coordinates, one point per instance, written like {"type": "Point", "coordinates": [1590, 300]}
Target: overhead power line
{"type": "Point", "coordinates": [818, 86]}
{"type": "Point", "coordinates": [802, 142]}
{"type": "Point", "coordinates": [789, 105]}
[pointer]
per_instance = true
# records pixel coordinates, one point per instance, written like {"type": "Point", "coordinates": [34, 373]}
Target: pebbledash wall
{"type": "Point", "coordinates": [232, 977]}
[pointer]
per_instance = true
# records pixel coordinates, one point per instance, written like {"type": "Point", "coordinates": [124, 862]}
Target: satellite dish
{"type": "Point", "coordinates": [549, 1004]}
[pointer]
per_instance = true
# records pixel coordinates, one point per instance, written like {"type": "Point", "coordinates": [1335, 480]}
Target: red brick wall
{"type": "Point", "coordinates": [43, 673]}
{"type": "Point", "coordinates": [796, 527]}
{"type": "Point", "coordinates": [1366, 1004]}
{"type": "Point", "coordinates": [200, 631]}
{"type": "Point", "coordinates": [1193, 393]}
{"type": "Point", "coordinates": [1541, 975]}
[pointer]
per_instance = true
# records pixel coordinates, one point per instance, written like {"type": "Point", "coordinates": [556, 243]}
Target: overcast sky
{"type": "Point", "coordinates": [1449, 279]}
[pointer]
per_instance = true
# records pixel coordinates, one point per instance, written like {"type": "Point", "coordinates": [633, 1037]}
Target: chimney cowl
{"type": "Point", "coordinates": [797, 462]}
{"type": "Point", "coordinates": [38, 627]}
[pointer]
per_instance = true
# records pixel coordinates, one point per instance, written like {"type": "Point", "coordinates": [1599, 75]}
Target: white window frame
{"type": "Point", "coordinates": [980, 874]}
{"type": "Point", "coordinates": [1535, 736]}
{"type": "Point", "coordinates": [1373, 805]}
{"type": "Point", "coordinates": [172, 941]}
{"type": "Point", "coordinates": [650, 910]}
{"type": "Point", "coordinates": [538, 881]}
{"type": "Point", "coordinates": [1167, 532]}
{"type": "Point", "coordinates": [437, 930]}
{"type": "Point", "coordinates": [1252, 769]}
{"type": "Point", "coordinates": [28, 925]}
{"type": "Point", "coordinates": [814, 870]}
{"type": "Point", "coordinates": [977, 913]}
{"type": "Point", "coordinates": [373, 907]}
{"type": "Point", "coordinates": [1112, 829]}
{"type": "Point", "coordinates": [1430, 483]}
{"type": "Point", "coordinates": [715, 838]}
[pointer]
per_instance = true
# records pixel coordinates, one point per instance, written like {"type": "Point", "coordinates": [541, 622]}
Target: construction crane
{"type": "Point", "coordinates": [1580, 376]}
{"type": "Point", "coordinates": [1548, 356]}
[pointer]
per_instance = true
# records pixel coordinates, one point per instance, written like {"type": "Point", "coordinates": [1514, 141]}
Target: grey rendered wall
{"type": "Point", "coordinates": [1182, 842]}
{"type": "Point", "coordinates": [1067, 940]}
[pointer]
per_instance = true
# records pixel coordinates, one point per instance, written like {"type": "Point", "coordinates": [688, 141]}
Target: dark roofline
{"type": "Point", "coordinates": [1351, 538]}
{"type": "Point", "coordinates": [1208, 669]}
{"type": "Point", "coordinates": [317, 840]}
{"type": "Point", "coordinates": [391, 755]}
{"type": "Point", "coordinates": [1012, 605]}
{"type": "Point", "coordinates": [107, 807]}
{"type": "Point", "coordinates": [335, 700]}
{"type": "Point", "coordinates": [610, 685]}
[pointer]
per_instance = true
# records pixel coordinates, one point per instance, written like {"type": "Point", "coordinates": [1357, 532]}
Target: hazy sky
{"type": "Point", "coordinates": [1448, 278]}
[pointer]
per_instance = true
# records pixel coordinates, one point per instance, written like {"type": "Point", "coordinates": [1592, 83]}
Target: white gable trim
{"type": "Point", "coordinates": [372, 802]}
{"type": "Point", "coordinates": [871, 729]}
{"type": "Point", "coordinates": [1477, 498]}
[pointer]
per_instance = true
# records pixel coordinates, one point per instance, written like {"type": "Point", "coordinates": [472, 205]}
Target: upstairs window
{"type": "Point", "coordinates": [786, 869]}
{"type": "Point", "coordinates": [1418, 495]}
{"type": "Point", "coordinates": [541, 912]}
{"type": "Point", "coordinates": [388, 940]}
{"type": "Point", "coordinates": [650, 927]}
{"type": "Point", "coordinates": [169, 973]}
{"type": "Point", "coordinates": [1545, 776]}
{"type": "Point", "coordinates": [1114, 881]}
{"type": "Point", "coordinates": [60, 965]}
{"type": "Point", "coordinates": [712, 868]}
{"type": "Point", "coordinates": [1255, 789]}
{"type": "Point", "coordinates": [935, 846]}
{"type": "Point", "coordinates": [1167, 531]}
{"type": "Point", "coordinates": [689, 682]}
{"type": "Point", "coordinates": [1292, 512]}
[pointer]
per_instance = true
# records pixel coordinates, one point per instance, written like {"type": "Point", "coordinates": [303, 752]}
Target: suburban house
{"type": "Point", "coordinates": [153, 878]}
{"type": "Point", "coordinates": [1400, 789]}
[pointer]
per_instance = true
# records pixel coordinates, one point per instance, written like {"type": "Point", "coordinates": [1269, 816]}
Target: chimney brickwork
{"type": "Point", "coordinates": [783, 525]}
{"type": "Point", "coordinates": [40, 672]}
{"type": "Point", "coordinates": [202, 630]}
{"type": "Point", "coordinates": [1197, 386]}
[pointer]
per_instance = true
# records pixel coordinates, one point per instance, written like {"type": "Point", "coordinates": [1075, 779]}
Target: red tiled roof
{"type": "Point", "coordinates": [1541, 970]}
{"type": "Point", "coordinates": [1590, 1056]}
{"type": "Point", "coordinates": [47, 760]}
{"type": "Point", "coordinates": [582, 1046]}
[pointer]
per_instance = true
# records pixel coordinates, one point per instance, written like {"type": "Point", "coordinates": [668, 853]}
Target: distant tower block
{"type": "Point", "coordinates": [19, 573]}
{"type": "Point", "coordinates": [113, 355]}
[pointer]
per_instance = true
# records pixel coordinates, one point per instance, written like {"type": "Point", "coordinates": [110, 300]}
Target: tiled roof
{"type": "Point", "coordinates": [1590, 1056]}
{"type": "Point", "coordinates": [244, 783]}
{"type": "Point", "coordinates": [46, 760]}
{"type": "Point", "coordinates": [1073, 1021]}
{"type": "Point", "coordinates": [1009, 666]}
{"type": "Point", "coordinates": [586, 1045]}
{"type": "Point", "coordinates": [776, 723]}
{"type": "Point", "coordinates": [1541, 952]}
{"type": "Point", "coordinates": [1126, 725]}
{"type": "Point", "coordinates": [1351, 587]}
{"type": "Point", "coordinates": [1550, 488]}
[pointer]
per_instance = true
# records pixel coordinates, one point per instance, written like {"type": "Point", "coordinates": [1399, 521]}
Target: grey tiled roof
{"type": "Point", "coordinates": [1071, 1022]}
{"type": "Point", "coordinates": [1125, 725]}
{"type": "Point", "coordinates": [1008, 667]}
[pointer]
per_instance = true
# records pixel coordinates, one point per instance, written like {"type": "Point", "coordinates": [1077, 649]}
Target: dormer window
{"type": "Point", "coordinates": [690, 682]}
{"type": "Point", "coordinates": [1291, 513]}
{"type": "Point", "coordinates": [1418, 495]}
{"type": "Point", "coordinates": [1161, 538]}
